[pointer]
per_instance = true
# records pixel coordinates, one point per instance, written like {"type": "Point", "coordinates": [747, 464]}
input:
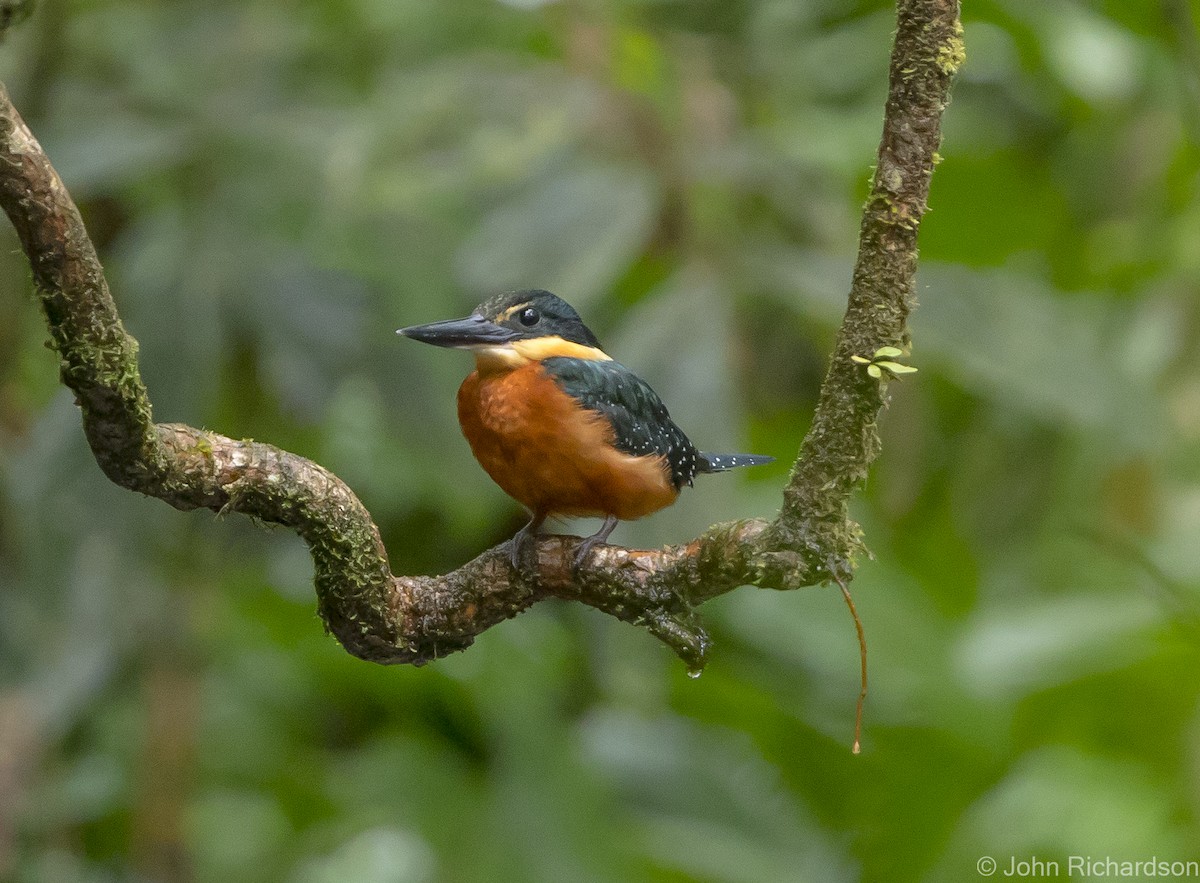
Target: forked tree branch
{"type": "Point", "coordinates": [413, 619]}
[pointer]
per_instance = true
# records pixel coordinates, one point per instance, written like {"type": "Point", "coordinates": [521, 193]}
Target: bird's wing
{"type": "Point", "coordinates": [721, 462]}
{"type": "Point", "coordinates": [640, 422]}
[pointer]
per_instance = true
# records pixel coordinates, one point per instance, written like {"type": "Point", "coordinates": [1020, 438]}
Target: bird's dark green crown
{"type": "Point", "coordinates": [536, 313]}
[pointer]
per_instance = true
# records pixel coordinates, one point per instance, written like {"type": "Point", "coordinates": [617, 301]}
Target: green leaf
{"type": "Point", "coordinates": [874, 371]}
{"type": "Point", "coordinates": [897, 368]}
{"type": "Point", "coordinates": [889, 352]}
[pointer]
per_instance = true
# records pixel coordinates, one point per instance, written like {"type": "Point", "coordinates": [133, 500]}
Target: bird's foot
{"type": "Point", "coordinates": [516, 548]}
{"type": "Point", "coordinates": [581, 553]}
{"type": "Point", "coordinates": [586, 546]}
{"type": "Point", "coordinates": [520, 546]}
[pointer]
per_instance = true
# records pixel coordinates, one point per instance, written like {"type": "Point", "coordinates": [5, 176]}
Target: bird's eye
{"type": "Point", "coordinates": [529, 317]}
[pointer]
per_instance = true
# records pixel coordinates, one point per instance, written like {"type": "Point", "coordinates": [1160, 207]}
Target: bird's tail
{"type": "Point", "coordinates": [721, 462]}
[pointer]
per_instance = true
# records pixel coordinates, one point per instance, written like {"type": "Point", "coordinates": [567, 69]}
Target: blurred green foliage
{"type": "Point", "coordinates": [276, 186]}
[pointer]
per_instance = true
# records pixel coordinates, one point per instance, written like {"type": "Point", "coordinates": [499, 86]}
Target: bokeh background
{"type": "Point", "coordinates": [276, 186]}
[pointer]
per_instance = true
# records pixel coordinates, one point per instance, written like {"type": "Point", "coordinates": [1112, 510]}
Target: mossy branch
{"type": "Point", "coordinates": [394, 619]}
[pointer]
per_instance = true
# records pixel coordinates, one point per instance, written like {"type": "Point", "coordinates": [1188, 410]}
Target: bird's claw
{"type": "Point", "coordinates": [581, 554]}
{"type": "Point", "coordinates": [589, 543]}
{"type": "Point", "coordinates": [522, 549]}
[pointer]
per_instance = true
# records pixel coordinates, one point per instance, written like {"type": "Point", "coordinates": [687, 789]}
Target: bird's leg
{"type": "Point", "coordinates": [524, 536]}
{"type": "Point", "coordinates": [600, 536]}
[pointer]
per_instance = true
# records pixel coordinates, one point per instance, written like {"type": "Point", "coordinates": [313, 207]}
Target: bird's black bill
{"type": "Point", "coordinates": [474, 330]}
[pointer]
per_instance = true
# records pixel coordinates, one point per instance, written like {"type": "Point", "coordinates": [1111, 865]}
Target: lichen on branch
{"type": "Point", "coordinates": [401, 619]}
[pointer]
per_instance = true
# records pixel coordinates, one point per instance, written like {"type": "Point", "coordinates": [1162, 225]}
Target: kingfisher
{"type": "Point", "coordinates": [563, 428]}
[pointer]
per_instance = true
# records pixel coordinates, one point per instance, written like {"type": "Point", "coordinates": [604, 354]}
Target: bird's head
{"type": "Point", "coordinates": [513, 329]}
